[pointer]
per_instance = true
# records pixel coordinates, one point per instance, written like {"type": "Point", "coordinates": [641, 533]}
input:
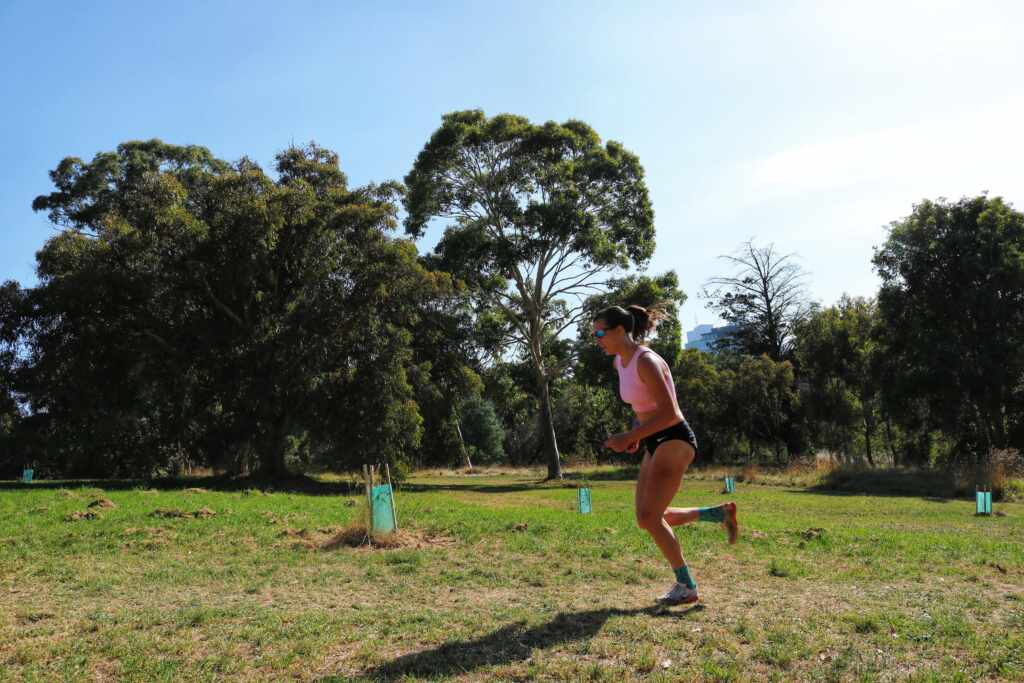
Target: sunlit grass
{"type": "Point", "coordinates": [498, 577]}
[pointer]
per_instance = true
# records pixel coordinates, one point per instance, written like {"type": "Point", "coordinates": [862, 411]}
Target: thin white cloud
{"type": "Point", "coordinates": [951, 156]}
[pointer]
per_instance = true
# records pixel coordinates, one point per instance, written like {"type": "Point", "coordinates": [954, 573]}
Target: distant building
{"type": "Point", "coordinates": [704, 337]}
{"type": "Point", "coordinates": [694, 335]}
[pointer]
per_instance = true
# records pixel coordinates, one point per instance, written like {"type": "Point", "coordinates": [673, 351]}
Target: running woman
{"type": "Point", "coordinates": [645, 382]}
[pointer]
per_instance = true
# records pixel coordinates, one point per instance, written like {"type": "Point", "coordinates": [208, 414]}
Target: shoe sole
{"type": "Point", "coordinates": [674, 603]}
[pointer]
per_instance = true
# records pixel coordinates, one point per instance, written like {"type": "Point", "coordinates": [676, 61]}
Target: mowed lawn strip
{"type": "Point", "coordinates": [500, 578]}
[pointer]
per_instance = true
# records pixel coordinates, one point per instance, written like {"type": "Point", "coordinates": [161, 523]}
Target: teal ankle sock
{"type": "Point", "coordinates": [683, 577]}
{"type": "Point", "coordinates": [713, 514]}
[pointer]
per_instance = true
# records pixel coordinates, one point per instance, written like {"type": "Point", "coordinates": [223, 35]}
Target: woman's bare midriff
{"type": "Point", "coordinates": [643, 417]}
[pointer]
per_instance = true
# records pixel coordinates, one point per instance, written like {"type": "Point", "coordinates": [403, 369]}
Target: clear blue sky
{"type": "Point", "coordinates": [806, 124]}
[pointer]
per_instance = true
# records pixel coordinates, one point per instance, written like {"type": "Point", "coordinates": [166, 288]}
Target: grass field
{"type": "Point", "coordinates": [500, 579]}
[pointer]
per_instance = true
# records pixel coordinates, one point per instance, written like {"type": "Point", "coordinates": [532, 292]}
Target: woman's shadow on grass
{"type": "Point", "coordinates": [511, 643]}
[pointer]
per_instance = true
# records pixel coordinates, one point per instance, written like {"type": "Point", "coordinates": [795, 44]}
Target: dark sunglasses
{"type": "Point", "coordinates": [600, 333]}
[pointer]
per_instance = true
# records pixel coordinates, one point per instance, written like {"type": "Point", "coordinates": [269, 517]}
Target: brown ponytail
{"type": "Point", "coordinates": [635, 319]}
{"type": "Point", "coordinates": [641, 321]}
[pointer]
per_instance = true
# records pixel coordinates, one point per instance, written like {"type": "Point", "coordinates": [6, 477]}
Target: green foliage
{"type": "Point", "coordinates": [505, 386]}
{"type": "Point", "coordinates": [481, 431]}
{"type": "Point", "coordinates": [194, 311]}
{"type": "Point", "coordinates": [952, 323]}
{"type": "Point", "coordinates": [762, 400]}
{"type": "Point", "coordinates": [835, 352]}
{"type": "Point", "coordinates": [584, 417]}
{"type": "Point", "coordinates": [445, 347]}
{"type": "Point", "coordinates": [702, 388]}
{"type": "Point", "coordinates": [197, 311]}
{"type": "Point", "coordinates": [539, 214]}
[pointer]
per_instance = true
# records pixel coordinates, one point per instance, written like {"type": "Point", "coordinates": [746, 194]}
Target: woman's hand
{"type": "Point", "coordinates": [622, 441]}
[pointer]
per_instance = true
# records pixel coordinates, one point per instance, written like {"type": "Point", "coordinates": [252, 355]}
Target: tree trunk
{"type": "Point", "coordinates": [869, 428]}
{"type": "Point", "coordinates": [889, 439]}
{"type": "Point", "coordinates": [272, 452]}
{"type": "Point", "coordinates": [867, 443]}
{"type": "Point", "coordinates": [547, 429]}
{"type": "Point", "coordinates": [272, 461]}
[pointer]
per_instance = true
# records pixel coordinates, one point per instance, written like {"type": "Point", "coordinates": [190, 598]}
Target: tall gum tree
{"type": "Point", "coordinates": [539, 218]}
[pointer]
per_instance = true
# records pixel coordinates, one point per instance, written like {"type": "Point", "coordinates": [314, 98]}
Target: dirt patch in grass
{"type": "Point", "coordinates": [174, 513]}
{"type": "Point", "coordinates": [169, 513]}
{"type": "Point", "coordinates": [102, 503]}
{"type": "Point", "coordinates": [358, 536]}
{"type": "Point", "coordinates": [148, 538]}
{"type": "Point", "coordinates": [82, 516]}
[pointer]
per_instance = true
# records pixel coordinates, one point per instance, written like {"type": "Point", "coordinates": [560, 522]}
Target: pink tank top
{"type": "Point", "coordinates": [631, 388]}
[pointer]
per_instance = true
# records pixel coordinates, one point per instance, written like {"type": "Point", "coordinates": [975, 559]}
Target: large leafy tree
{"type": "Point", "coordinates": [762, 400]}
{"type": "Point", "coordinates": [952, 310]}
{"type": "Point", "coordinates": [834, 349]}
{"type": "Point", "coordinates": [192, 307]}
{"type": "Point", "coordinates": [506, 385]}
{"type": "Point", "coordinates": [445, 370]}
{"type": "Point", "coordinates": [539, 216]}
{"type": "Point", "coordinates": [764, 298]}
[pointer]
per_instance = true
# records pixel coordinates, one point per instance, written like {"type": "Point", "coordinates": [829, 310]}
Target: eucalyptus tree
{"type": "Point", "coordinates": [539, 217]}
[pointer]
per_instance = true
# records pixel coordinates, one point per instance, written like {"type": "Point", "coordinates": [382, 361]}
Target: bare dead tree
{"type": "Point", "coordinates": [764, 298]}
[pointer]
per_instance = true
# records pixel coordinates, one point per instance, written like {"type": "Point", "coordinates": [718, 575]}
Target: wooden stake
{"type": "Point", "coordinates": [368, 481]}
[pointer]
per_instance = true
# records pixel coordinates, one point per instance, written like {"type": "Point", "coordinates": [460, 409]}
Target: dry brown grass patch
{"type": "Point", "coordinates": [750, 473]}
{"type": "Point", "coordinates": [104, 503]}
{"type": "Point", "coordinates": [357, 535]}
{"type": "Point", "coordinates": [79, 516]}
{"type": "Point", "coordinates": [148, 538]}
{"type": "Point", "coordinates": [174, 513]}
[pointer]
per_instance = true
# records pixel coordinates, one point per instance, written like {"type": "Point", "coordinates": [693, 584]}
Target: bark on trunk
{"type": "Point", "coordinates": [869, 428]}
{"type": "Point", "coordinates": [547, 428]}
{"type": "Point", "coordinates": [890, 440]}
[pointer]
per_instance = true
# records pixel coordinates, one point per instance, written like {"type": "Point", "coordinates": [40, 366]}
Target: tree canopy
{"type": "Point", "coordinates": [539, 216]}
{"type": "Point", "coordinates": [952, 310]}
{"type": "Point", "coordinates": [195, 306]}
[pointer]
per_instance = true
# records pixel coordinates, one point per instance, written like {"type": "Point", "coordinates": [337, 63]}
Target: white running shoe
{"type": "Point", "coordinates": [679, 594]}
